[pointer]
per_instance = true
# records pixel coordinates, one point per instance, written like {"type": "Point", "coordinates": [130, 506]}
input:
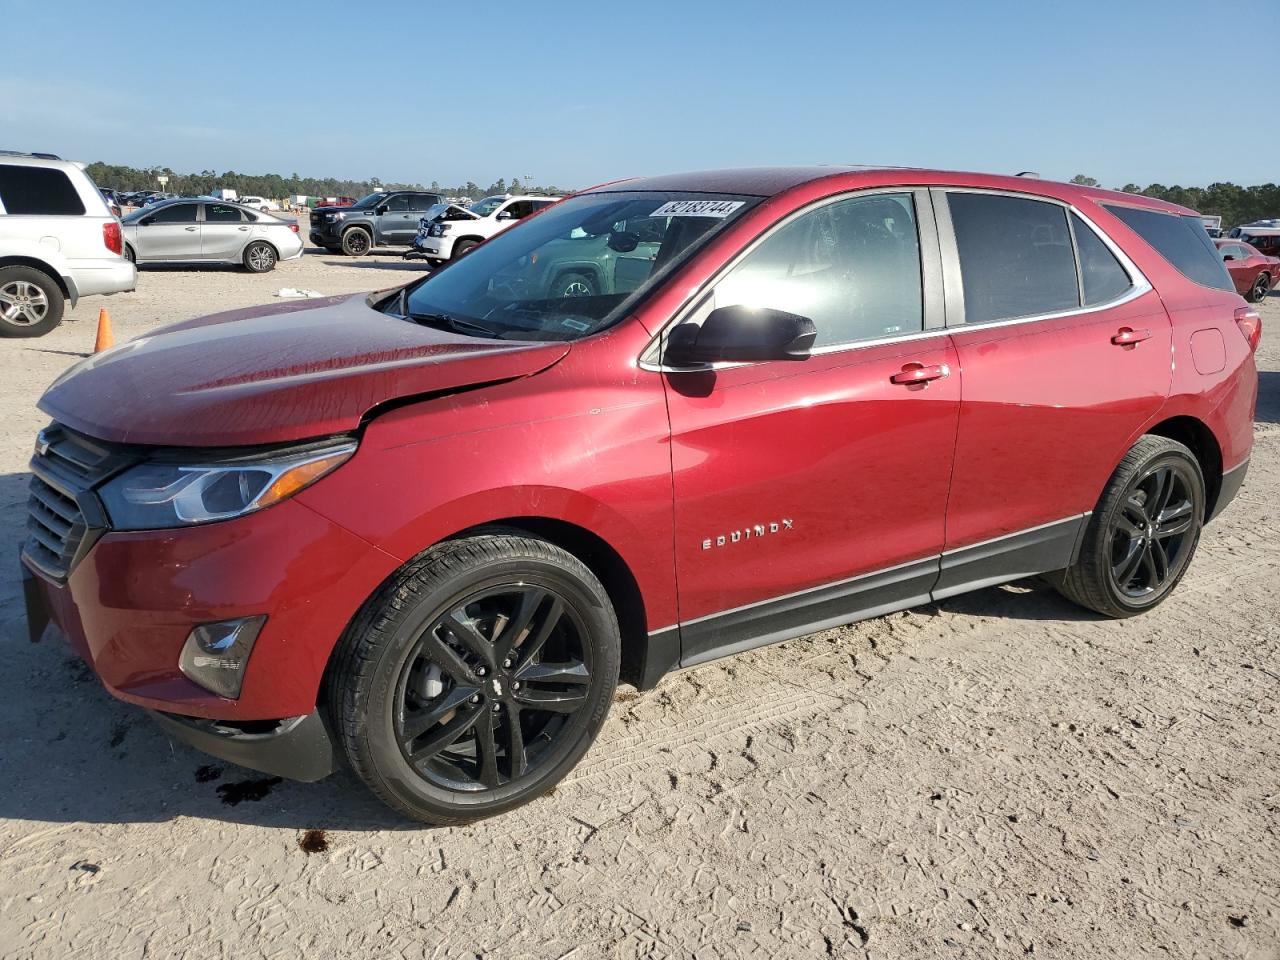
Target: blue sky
{"type": "Point", "coordinates": [573, 93]}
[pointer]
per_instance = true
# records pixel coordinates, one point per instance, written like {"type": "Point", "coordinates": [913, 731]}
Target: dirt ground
{"type": "Point", "coordinates": [997, 775]}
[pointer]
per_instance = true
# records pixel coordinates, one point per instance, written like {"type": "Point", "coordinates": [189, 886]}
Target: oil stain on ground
{"type": "Point", "coordinates": [235, 793]}
{"type": "Point", "coordinates": [313, 841]}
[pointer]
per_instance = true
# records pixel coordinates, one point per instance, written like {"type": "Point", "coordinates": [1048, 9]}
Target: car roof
{"type": "Point", "coordinates": [771, 181]}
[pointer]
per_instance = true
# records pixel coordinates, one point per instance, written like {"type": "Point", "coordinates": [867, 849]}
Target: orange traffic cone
{"type": "Point", "coordinates": [105, 340]}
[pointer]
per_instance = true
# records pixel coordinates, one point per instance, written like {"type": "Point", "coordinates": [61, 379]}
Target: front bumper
{"type": "Point", "coordinates": [298, 748]}
{"type": "Point", "coordinates": [129, 605]}
{"type": "Point", "coordinates": [326, 234]}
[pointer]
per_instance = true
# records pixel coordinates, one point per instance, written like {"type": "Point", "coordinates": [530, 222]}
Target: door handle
{"type": "Point", "coordinates": [913, 373]}
{"type": "Point", "coordinates": [1126, 337]}
{"type": "Point", "coordinates": [242, 228]}
{"type": "Point", "coordinates": [189, 229]}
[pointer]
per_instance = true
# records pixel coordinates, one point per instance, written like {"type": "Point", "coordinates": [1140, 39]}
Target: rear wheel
{"type": "Point", "coordinates": [1143, 532]}
{"type": "Point", "coordinates": [260, 257]}
{"type": "Point", "coordinates": [476, 678]}
{"type": "Point", "coordinates": [30, 302]}
{"type": "Point", "coordinates": [1258, 292]}
{"type": "Point", "coordinates": [356, 242]}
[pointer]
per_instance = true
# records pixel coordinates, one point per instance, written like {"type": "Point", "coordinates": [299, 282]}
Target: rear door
{"type": "Point", "coordinates": [224, 232]}
{"type": "Point", "coordinates": [1065, 351]}
{"type": "Point", "coordinates": [171, 232]}
{"type": "Point", "coordinates": [810, 493]}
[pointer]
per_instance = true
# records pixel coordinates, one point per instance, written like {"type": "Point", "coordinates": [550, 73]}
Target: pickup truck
{"type": "Point", "coordinates": [386, 218]}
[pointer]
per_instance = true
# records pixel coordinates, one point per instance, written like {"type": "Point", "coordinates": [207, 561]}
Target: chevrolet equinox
{"type": "Point", "coordinates": [426, 532]}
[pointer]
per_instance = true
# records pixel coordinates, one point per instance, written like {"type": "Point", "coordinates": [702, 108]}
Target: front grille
{"type": "Point", "coordinates": [64, 517]}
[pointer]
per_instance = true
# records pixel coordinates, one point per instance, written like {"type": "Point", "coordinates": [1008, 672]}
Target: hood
{"type": "Point", "coordinates": [455, 212]}
{"type": "Point", "coordinates": [274, 374]}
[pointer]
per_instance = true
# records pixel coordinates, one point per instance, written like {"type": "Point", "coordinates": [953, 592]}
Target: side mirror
{"type": "Point", "coordinates": [623, 241]}
{"type": "Point", "coordinates": [380, 209]}
{"type": "Point", "coordinates": [1226, 257]}
{"type": "Point", "coordinates": [742, 334]}
{"type": "Point", "coordinates": [145, 222]}
{"type": "Point", "coordinates": [506, 215]}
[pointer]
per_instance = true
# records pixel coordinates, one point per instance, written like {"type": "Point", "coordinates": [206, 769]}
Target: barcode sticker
{"type": "Point", "coordinates": [719, 209]}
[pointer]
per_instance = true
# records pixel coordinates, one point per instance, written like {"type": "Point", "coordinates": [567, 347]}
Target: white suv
{"type": "Point", "coordinates": [58, 243]}
{"type": "Point", "coordinates": [452, 231]}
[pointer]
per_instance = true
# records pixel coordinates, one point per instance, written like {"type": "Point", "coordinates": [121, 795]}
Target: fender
{"type": "Point", "coordinates": [43, 257]}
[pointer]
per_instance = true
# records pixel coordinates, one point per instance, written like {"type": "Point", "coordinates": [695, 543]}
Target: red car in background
{"type": "Point", "coordinates": [1253, 273]}
{"type": "Point", "coordinates": [425, 531]}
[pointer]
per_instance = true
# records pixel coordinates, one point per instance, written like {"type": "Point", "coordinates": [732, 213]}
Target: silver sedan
{"type": "Point", "coordinates": [209, 231]}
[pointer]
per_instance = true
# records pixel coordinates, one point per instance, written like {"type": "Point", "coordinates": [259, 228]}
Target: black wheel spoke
{"type": "Point", "coordinates": [487, 748]}
{"type": "Point", "coordinates": [445, 657]}
{"type": "Point", "coordinates": [556, 701]}
{"type": "Point", "coordinates": [465, 631]}
{"type": "Point", "coordinates": [517, 629]}
{"type": "Point", "coordinates": [1160, 492]}
{"type": "Point", "coordinates": [531, 650]}
{"type": "Point", "coordinates": [1149, 568]}
{"type": "Point", "coordinates": [445, 736]}
{"type": "Point", "coordinates": [572, 672]}
{"type": "Point", "coordinates": [1128, 566]}
{"type": "Point", "coordinates": [1128, 527]}
{"type": "Point", "coordinates": [517, 759]}
{"type": "Point", "coordinates": [420, 721]}
{"type": "Point", "coordinates": [1159, 564]}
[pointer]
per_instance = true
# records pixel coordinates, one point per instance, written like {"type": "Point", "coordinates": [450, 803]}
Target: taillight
{"type": "Point", "coordinates": [293, 227]}
{"type": "Point", "coordinates": [1250, 324]}
{"type": "Point", "coordinates": [112, 238]}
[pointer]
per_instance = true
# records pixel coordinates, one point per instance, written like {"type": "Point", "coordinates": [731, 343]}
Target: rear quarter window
{"type": "Point", "coordinates": [38, 191]}
{"type": "Point", "coordinates": [1182, 241]}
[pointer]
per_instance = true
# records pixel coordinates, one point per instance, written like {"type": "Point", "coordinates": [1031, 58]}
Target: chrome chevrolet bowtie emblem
{"type": "Point", "coordinates": [497, 687]}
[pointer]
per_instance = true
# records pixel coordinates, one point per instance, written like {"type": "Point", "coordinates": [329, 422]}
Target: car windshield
{"type": "Point", "coordinates": [572, 270]}
{"type": "Point", "coordinates": [486, 206]}
{"type": "Point", "coordinates": [372, 200]}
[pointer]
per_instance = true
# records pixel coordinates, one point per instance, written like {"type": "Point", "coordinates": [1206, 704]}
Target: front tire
{"type": "Point", "coordinates": [1143, 533]}
{"type": "Point", "coordinates": [463, 247]}
{"type": "Point", "coordinates": [476, 678]}
{"type": "Point", "coordinates": [574, 285]}
{"type": "Point", "coordinates": [31, 304]}
{"type": "Point", "coordinates": [356, 242]}
{"type": "Point", "coordinates": [260, 257]}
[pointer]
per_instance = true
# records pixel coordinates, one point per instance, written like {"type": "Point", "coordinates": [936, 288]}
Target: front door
{"type": "Point", "coordinates": [810, 493]}
{"type": "Point", "coordinates": [170, 233]}
{"type": "Point", "coordinates": [399, 224]}
{"type": "Point", "coordinates": [1065, 351]}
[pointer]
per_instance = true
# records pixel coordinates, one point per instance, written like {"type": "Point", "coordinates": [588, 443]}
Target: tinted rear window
{"type": "Point", "coordinates": [1182, 241]}
{"type": "Point", "coordinates": [1100, 272]}
{"type": "Point", "coordinates": [40, 191]}
{"type": "Point", "coordinates": [1016, 258]}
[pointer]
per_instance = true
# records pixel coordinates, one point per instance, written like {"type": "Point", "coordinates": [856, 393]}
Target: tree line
{"type": "Point", "coordinates": [127, 179]}
{"type": "Point", "coordinates": [1233, 203]}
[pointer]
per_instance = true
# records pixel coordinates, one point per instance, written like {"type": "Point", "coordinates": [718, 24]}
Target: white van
{"type": "Point", "coordinates": [58, 243]}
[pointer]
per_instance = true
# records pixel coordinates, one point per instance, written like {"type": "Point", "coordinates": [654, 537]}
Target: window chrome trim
{"type": "Point", "coordinates": [925, 212]}
{"type": "Point", "coordinates": [953, 277]}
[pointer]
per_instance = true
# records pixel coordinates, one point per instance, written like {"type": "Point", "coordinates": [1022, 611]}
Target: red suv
{"type": "Point", "coordinates": [429, 529]}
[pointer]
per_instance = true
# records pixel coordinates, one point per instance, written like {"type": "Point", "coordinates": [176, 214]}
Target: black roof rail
{"type": "Point", "coordinates": [29, 153]}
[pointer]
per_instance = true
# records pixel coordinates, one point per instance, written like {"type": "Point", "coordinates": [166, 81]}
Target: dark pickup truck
{"type": "Point", "coordinates": [384, 219]}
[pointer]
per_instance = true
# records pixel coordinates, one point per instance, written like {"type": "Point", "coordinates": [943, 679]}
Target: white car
{"type": "Point", "coordinates": [201, 230]}
{"type": "Point", "coordinates": [450, 230]}
{"type": "Point", "coordinates": [259, 203]}
{"type": "Point", "coordinates": [58, 243]}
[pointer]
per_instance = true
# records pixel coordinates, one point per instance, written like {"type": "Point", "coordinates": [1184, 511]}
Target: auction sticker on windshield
{"type": "Point", "coordinates": [697, 208]}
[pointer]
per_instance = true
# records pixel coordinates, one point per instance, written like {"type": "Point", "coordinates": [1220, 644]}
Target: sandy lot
{"type": "Point", "coordinates": [997, 775]}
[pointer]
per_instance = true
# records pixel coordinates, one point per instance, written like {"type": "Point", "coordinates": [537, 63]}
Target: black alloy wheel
{"type": "Point", "coordinates": [493, 688]}
{"type": "Point", "coordinates": [1258, 292]}
{"type": "Point", "coordinates": [1153, 531]}
{"type": "Point", "coordinates": [356, 242]}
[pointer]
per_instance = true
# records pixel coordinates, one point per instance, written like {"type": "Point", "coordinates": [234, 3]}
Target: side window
{"type": "Point", "coordinates": [1180, 240]}
{"type": "Point", "coordinates": [541, 204]}
{"type": "Point", "coordinates": [220, 213]}
{"type": "Point", "coordinates": [39, 191]}
{"type": "Point", "coordinates": [852, 267]}
{"type": "Point", "coordinates": [398, 204]}
{"type": "Point", "coordinates": [421, 201]}
{"type": "Point", "coordinates": [1015, 257]}
{"type": "Point", "coordinates": [1101, 275]}
{"type": "Point", "coordinates": [519, 209]}
{"type": "Point", "coordinates": [175, 213]}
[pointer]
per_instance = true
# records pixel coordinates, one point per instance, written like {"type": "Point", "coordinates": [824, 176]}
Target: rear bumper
{"type": "Point", "coordinates": [298, 748]}
{"type": "Point", "coordinates": [95, 277]}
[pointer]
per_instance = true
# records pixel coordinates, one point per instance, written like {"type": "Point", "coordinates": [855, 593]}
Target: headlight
{"type": "Point", "coordinates": [335, 216]}
{"type": "Point", "coordinates": [156, 495]}
{"type": "Point", "coordinates": [438, 229]}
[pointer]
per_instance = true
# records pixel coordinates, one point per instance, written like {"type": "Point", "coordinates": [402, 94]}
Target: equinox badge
{"type": "Point", "coordinates": [753, 532]}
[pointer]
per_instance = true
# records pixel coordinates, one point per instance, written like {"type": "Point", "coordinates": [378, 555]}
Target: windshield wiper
{"type": "Point", "coordinates": [453, 323]}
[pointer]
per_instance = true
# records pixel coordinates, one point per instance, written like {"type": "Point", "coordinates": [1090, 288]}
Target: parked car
{"type": "Point", "coordinates": [453, 231]}
{"type": "Point", "coordinates": [384, 219]}
{"type": "Point", "coordinates": [209, 231]}
{"type": "Point", "coordinates": [154, 198]}
{"type": "Point", "coordinates": [259, 203]}
{"type": "Point", "coordinates": [428, 529]}
{"type": "Point", "coordinates": [1253, 273]}
{"type": "Point", "coordinates": [59, 241]}
{"type": "Point", "coordinates": [223, 193]}
{"type": "Point", "coordinates": [113, 204]}
{"type": "Point", "coordinates": [1262, 235]}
